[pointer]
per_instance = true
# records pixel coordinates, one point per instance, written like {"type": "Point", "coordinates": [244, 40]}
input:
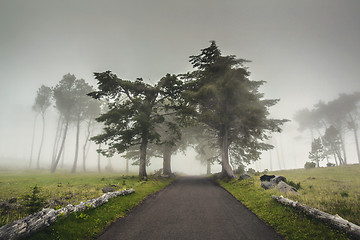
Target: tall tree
{"type": "Point", "coordinates": [42, 103]}
{"type": "Point", "coordinates": [317, 152]}
{"type": "Point", "coordinates": [81, 105]}
{"type": "Point", "coordinates": [332, 141]}
{"type": "Point", "coordinates": [64, 101]}
{"type": "Point", "coordinates": [348, 105]}
{"type": "Point", "coordinates": [134, 110]}
{"type": "Point", "coordinates": [92, 111]}
{"type": "Point", "coordinates": [227, 101]}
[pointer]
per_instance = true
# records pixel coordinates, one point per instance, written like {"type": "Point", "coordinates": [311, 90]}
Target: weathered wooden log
{"type": "Point", "coordinates": [333, 220]}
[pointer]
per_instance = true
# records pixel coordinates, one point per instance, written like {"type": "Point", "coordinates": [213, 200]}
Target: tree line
{"type": "Point", "coordinates": [328, 124]}
{"type": "Point", "coordinates": [215, 109]}
{"type": "Point", "coordinates": [216, 106]}
{"type": "Point", "coordinates": [73, 107]}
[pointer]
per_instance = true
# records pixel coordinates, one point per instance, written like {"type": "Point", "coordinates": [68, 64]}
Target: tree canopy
{"type": "Point", "coordinates": [135, 109]}
{"type": "Point", "coordinates": [228, 102]}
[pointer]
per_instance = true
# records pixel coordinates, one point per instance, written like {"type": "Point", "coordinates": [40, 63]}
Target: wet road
{"type": "Point", "coordinates": [190, 208]}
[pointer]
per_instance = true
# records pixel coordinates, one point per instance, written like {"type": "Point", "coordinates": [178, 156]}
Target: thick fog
{"type": "Point", "coordinates": [305, 50]}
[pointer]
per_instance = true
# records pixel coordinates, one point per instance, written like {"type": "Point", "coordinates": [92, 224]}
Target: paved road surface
{"type": "Point", "coordinates": [190, 208]}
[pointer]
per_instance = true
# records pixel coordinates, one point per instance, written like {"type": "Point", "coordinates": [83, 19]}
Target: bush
{"type": "Point", "coordinates": [240, 170]}
{"type": "Point", "coordinates": [34, 202]}
{"type": "Point", "coordinates": [294, 185]}
{"type": "Point", "coordinates": [329, 164]}
{"type": "Point", "coordinates": [309, 165]}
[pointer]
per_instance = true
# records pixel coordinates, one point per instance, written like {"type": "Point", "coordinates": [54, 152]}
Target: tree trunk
{"type": "Point", "coordinates": [342, 141]}
{"type": "Point", "coordinates": [226, 170]}
{"type": "Point", "coordinates": [85, 144]}
{"type": "Point", "coordinates": [357, 144]}
{"type": "Point", "coordinates": [32, 141]}
{"type": "Point", "coordinates": [59, 129]}
{"type": "Point", "coordinates": [208, 168]}
{"type": "Point", "coordinates": [142, 166]}
{"type": "Point", "coordinates": [99, 168]}
{"type": "Point", "coordinates": [63, 157]}
{"type": "Point", "coordinates": [76, 146]}
{"type": "Point", "coordinates": [41, 142]}
{"type": "Point", "coordinates": [336, 162]}
{"type": "Point", "coordinates": [127, 166]}
{"type": "Point", "coordinates": [53, 168]}
{"type": "Point", "coordinates": [353, 126]}
{"type": "Point", "coordinates": [167, 160]}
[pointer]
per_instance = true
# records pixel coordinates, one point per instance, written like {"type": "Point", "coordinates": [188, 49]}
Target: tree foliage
{"type": "Point", "coordinates": [228, 102]}
{"type": "Point", "coordinates": [135, 109]}
{"type": "Point", "coordinates": [317, 153]}
{"type": "Point", "coordinates": [331, 121]}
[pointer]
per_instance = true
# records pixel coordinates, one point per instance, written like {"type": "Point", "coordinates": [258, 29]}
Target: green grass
{"type": "Point", "coordinates": [285, 220]}
{"type": "Point", "coordinates": [335, 190]}
{"type": "Point", "coordinates": [90, 223]}
{"type": "Point", "coordinates": [57, 189]}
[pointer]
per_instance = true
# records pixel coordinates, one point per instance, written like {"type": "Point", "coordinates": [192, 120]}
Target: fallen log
{"type": "Point", "coordinates": [334, 220]}
{"type": "Point", "coordinates": [44, 218]}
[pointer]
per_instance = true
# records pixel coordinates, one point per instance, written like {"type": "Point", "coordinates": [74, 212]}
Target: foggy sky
{"type": "Point", "coordinates": [306, 50]}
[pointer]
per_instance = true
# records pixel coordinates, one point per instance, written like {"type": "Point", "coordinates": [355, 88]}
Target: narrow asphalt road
{"type": "Point", "coordinates": [190, 208]}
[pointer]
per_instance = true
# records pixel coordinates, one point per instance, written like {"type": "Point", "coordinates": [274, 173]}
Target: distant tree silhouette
{"type": "Point", "coordinates": [42, 103]}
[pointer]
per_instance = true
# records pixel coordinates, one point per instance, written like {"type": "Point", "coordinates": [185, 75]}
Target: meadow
{"type": "Point", "coordinates": [335, 190]}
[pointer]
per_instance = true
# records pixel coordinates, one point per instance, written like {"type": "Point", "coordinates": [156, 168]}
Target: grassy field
{"type": "Point", "coordinates": [335, 190]}
{"type": "Point", "coordinates": [59, 189]}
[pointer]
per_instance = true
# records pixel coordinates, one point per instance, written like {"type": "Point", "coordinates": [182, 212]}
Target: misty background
{"type": "Point", "coordinates": [305, 50]}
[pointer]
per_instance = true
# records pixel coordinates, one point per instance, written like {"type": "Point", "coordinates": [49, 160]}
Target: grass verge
{"type": "Point", "coordinates": [90, 223]}
{"type": "Point", "coordinates": [285, 220]}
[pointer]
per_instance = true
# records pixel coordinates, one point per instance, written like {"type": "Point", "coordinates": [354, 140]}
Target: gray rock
{"type": "Point", "coordinates": [266, 178]}
{"type": "Point", "coordinates": [108, 189]}
{"type": "Point", "coordinates": [278, 179]}
{"type": "Point", "coordinates": [267, 185]}
{"type": "Point", "coordinates": [244, 176]}
{"type": "Point", "coordinates": [286, 188]}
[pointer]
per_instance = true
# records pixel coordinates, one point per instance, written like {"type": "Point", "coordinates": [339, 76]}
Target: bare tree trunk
{"type": "Point", "coordinates": [353, 126]}
{"type": "Point", "coordinates": [32, 141]}
{"type": "Point", "coordinates": [63, 157]}
{"type": "Point", "coordinates": [53, 168]}
{"type": "Point", "coordinates": [336, 162]}
{"type": "Point", "coordinates": [41, 142]}
{"type": "Point", "coordinates": [85, 144]}
{"type": "Point", "coordinates": [167, 160]}
{"type": "Point", "coordinates": [59, 129]}
{"type": "Point", "coordinates": [127, 166]}
{"type": "Point", "coordinates": [342, 141]}
{"type": "Point", "coordinates": [99, 168]}
{"type": "Point", "coordinates": [76, 146]}
{"type": "Point", "coordinates": [226, 170]}
{"type": "Point", "coordinates": [357, 144]}
{"type": "Point", "coordinates": [208, 167]}
{"type": "Point", "coordinates": [142, 166]}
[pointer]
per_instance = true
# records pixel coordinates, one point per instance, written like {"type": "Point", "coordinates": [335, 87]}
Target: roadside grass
{"type": "Point", "coordinates": [58, 190]}
{"type": "Point", "coordinates": [90, 223]}
{"type": "Point", "coordinates": [285, 220]}
{"type": "Point", "coordinates": [335, 190]}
